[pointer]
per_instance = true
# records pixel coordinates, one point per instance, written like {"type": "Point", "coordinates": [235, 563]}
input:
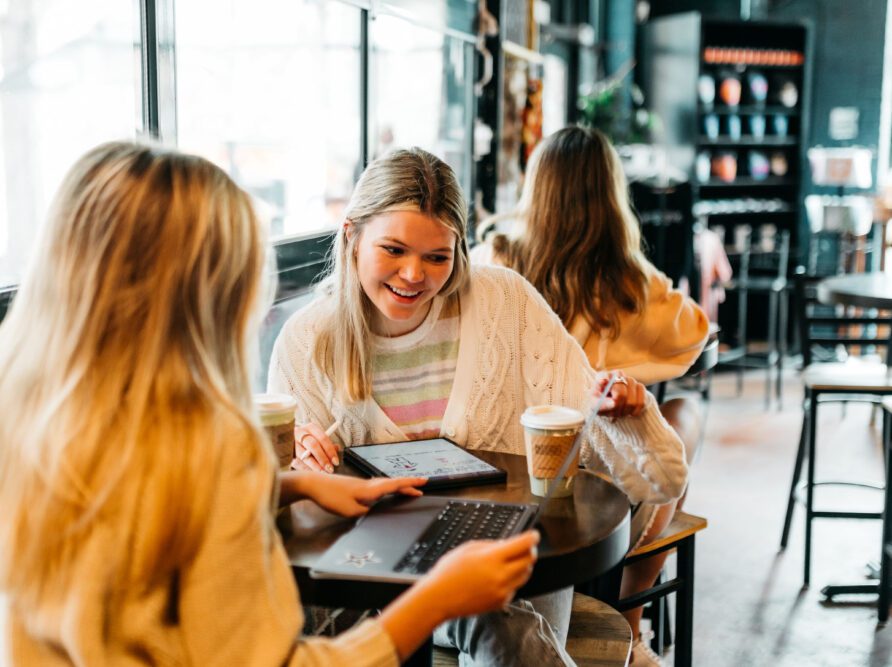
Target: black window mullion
{"type": "Point", "coordinates": [149, 44]}
{"type": "Point", "coordinates": [364, 59]}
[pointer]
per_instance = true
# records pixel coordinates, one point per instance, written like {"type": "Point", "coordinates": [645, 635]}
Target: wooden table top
{"type": "Point", "coordinates": [582, 537]}
{"type": "Point", "coordinates": [868, 290]}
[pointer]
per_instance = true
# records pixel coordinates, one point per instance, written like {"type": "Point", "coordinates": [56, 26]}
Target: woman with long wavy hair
{"type": "Point", "coordinates": [576, 239]}
{"type": "Point", "coordinates": [136, 486]}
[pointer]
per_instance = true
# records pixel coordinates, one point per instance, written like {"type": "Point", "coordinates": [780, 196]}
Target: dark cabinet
{"type": "Point", "coordinates": [733, 97]}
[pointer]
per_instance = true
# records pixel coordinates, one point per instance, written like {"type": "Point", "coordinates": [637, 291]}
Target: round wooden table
{"type": "Point", "coordinates": [582, 537]}
{"type": "Point", "coordinates": [868, 290]}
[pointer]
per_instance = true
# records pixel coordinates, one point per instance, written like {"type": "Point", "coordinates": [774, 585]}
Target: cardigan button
{"type": "Point", "coordinates": [450, 432]}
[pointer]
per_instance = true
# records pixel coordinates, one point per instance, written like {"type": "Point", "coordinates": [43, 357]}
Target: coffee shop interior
{"type": "Point", "coordinates": [753, 140]}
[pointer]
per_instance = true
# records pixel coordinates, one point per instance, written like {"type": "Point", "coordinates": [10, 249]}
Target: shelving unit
{"type": "Point", "coordinates": [753, 178]}
{"type": "Point", "coordinates": [681, 50]}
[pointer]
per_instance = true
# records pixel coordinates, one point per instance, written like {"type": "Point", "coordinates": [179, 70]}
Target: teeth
{"type": "Point", "coordinates": [403, 292]}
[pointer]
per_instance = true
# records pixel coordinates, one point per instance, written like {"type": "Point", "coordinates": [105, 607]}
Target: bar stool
{"type": "Point", "coordinates": [830, 382]}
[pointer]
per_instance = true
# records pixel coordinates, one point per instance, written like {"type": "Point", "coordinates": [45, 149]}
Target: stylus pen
{"type": "Point", "coordinates": [334, 427]}
{"type": "Point", "coordinates": [329, 431]}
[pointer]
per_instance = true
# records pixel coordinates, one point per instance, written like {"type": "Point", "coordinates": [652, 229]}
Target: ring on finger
{"type": "Point", "coordinates": [620, 380]}
{"type": "Point", "coordinates": [300, 440]}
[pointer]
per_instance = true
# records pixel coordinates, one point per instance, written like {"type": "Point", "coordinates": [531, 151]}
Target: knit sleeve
{"type": "Point", "coordinates": [293, 371]}
{"type": "Point", "coordinates": [238, 602]}
{"type": "Point", "coordinates": [643, 455]}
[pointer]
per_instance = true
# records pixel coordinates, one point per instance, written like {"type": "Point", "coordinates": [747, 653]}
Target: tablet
{"type": "Point", "coordinates": [442, 461]}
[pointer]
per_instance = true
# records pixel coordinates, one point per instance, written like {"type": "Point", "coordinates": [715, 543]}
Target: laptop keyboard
{"type": "Point", "coordinates": [460, 521]}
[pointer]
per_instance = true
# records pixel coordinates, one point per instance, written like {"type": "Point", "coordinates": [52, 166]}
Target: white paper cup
{"type": "Point", "coordinates": [549, 434]}
{"type": "Point", "coordinates": [277, 417]}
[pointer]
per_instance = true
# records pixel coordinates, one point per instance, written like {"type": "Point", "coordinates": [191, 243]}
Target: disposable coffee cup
{"type": "Point", "coordinates": [277, 417]}
{"type": "Point", "coordinates": [549, 434]}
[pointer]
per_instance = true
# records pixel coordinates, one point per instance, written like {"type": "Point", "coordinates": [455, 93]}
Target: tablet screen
{"type": "Point", "coordinates": [433, 458]}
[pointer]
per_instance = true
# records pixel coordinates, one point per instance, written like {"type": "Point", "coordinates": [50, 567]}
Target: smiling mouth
{"type": "Point", "coordinates": [405, 294]}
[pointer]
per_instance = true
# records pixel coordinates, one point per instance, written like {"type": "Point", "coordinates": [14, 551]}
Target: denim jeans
{"type": "Point", "coordinates": [528, 633]}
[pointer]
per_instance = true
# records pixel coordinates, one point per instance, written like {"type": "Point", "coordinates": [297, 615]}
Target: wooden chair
{"type": "Point", "coordinates": [831, 382]}
{"type": "Point", "coordinates": [678, 535]}
{"type": "Point", "coordinates": [599, 637]}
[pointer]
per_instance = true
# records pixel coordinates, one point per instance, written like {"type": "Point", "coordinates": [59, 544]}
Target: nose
{"type": "Point", "coordinates": [411, 270]}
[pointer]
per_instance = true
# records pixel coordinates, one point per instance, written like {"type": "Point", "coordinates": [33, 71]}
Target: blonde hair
{"type": "Point", "coordinates": [413, 176]}
{"type": "Point", "coordinates": [124, 368]}
{"type": "Point", "coordinates": [579, 243]}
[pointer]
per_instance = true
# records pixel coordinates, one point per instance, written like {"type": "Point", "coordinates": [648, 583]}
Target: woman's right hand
{"type": "Point", "coordinates": [314, 450]}
{"type": "Point", "coordinates": [482, 575]}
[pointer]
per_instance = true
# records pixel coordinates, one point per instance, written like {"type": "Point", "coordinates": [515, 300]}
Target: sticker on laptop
{"type": "Point", "coordinates": [359, 560]}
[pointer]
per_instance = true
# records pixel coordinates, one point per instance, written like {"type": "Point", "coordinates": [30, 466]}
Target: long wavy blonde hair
{"type": "Point", "coordinates": [579, 243]}
{"type": "Point", "coordinates": [124, 371]}
{"type": "Point", "coordinates": [413, 176]}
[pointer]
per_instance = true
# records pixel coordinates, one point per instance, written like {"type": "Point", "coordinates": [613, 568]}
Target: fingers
{"type": "Point", "coordinates": [640, 399]}
{"type": "Point", "coordinates": [517, 547]}
{"type": "Point", "coordinates": [314, 448]}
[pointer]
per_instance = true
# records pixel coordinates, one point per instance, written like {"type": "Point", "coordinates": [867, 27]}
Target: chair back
{"type": "Point", "coordinates": [665, 214]}
{"type": "Point", "coordinates": [832, 333]}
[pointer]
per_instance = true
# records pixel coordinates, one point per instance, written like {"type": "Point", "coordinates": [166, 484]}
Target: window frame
{"type": "Point", "coordinates": [302, 259]}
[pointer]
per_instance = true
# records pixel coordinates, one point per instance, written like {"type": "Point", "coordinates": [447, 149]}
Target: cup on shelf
{"type": "Point", "coordinates": [767, 235]}
{"type": "Point", "coordinates": [758, 87]}
{"type": "Point", "coordinates": [703, 166]}
{"type": "Point", "coordinates": [724, 167]}
{"type": "Point", "coordinates": [733, 124]}
{"type": "Point", "coordinates": [729, 91]}
{"type": "Point", "coordinates": [779, 164]}
{"type": "Point", "coordinates": [780, 124]}
{"type": "Point", "coordinates": [741, 237]}
{"type": "Point", "coordinates": [758, 164]}
{"type": "Point", "coordinates": [711, 126]}
{"type": "Point", "coordinates": [757, 126]}
{"type": "Point", "coordinates": [789, 94]}
{"type": "Point", "coordinates": [706, 90]}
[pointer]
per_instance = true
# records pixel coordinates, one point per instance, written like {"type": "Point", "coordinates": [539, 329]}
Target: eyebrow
{"type": "Point", "coordinates": [390, 239]}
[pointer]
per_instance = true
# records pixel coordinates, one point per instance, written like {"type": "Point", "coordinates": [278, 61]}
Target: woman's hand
{"type": "Point", "coordinates": [482, 575]}
{"type": "Point", "coordinates": [626, 397]}
{"type": "Point", "coordinates": [314, 450]}
{"type": "Point", "coordinates": [352, 496]}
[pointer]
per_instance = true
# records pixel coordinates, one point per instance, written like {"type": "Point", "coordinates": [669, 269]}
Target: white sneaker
{"type": "Point", "coordinates": [643, 655]}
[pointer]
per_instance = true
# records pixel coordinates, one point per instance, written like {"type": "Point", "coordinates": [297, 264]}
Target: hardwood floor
{"type": "Point", "coordinates": [750, 608]}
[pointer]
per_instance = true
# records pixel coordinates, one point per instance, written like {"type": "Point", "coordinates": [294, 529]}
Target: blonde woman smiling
{"type": "Point", "coordinates": [406, 341]}
{"type": "Point", "coordinates": [136, 486]}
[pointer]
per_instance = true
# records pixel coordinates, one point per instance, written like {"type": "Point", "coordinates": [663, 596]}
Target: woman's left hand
{"type": "Point", "coordinates": [626, 397]}
{"type": "Point", "coordinates": [352, 496]}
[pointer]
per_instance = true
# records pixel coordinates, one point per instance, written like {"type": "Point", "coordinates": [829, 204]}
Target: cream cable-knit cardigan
{"type": "Point", "coordinates": [514, 352]}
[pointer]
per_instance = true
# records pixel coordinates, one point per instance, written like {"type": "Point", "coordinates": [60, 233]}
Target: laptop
{"type": "Point", "coordinates": [401, 538]}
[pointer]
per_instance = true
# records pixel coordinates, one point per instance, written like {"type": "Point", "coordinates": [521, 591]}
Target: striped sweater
{"type": "Point", "coordinates": [412, 374]}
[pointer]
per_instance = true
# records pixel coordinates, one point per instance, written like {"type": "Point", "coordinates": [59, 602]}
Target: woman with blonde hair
{"type": "Point", "coordinates": [136, 485]}
{"type": "Point", "coordinates": [576, 239]}
{"type": "Point", "coordinates": [405, 341]}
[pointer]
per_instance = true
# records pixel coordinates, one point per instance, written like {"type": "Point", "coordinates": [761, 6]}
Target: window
{"type": "Point", "coordinates": [422, 93]}
{"type": "Point", "coordinates": [69, 80]}
{"type": "Point", "coordinates": [270, 91]}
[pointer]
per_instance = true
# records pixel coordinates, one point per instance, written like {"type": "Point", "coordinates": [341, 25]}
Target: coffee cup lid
{"type": "Point", "coordinates": [275, 402]}
{"type": "Point", "coordinates": [552, 417]}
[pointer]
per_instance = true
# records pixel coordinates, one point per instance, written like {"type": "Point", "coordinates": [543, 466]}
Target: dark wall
{"type": "Point", "coordinates": [847, 58]}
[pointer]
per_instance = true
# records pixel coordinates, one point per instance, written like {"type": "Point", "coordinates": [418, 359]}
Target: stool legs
{"type": "Point", "coordinates": [810, 485]}
{"type": "Point", "coordinates": [885, 560]}
{"type": "Point", "coordinates": [794, 482]}
{"type": "Point", "coordinates": [783, 305]}
{"type": "Point", "coordinates": [772, 335]}
{"type": "Point", "coordinates": [684, 619]}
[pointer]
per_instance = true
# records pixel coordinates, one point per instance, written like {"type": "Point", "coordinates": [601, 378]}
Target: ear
{"type": "Point", "coordinates": [349, 229]}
